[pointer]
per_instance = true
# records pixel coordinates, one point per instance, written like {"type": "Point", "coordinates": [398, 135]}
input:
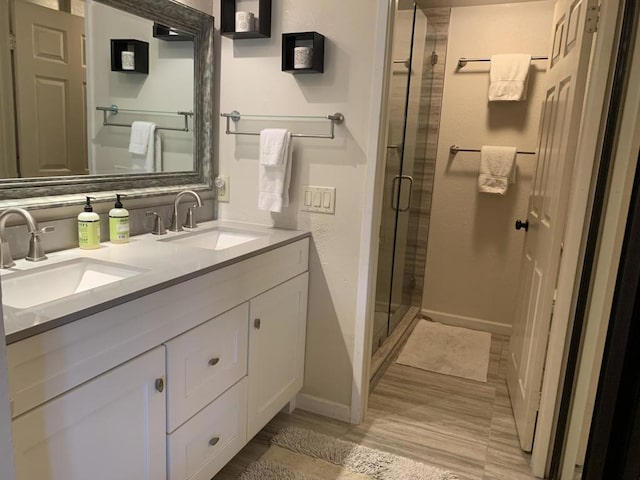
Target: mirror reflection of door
{"type": "Point", "coordinates": [50, 91]}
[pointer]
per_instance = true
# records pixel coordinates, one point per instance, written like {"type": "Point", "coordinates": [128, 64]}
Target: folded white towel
{"type": "Point", "coordinates": [497, 169]}
{"type": "Point", "coordinates": [508, 77]}
{"type": "Point", "coordinates": [141, 136]}
{"type": "Point", "coordinates": [151, 160]}
{"type": "Point", "coordinates": [274, 179]}
{"type": "Point", "coordinates": [273, 143]}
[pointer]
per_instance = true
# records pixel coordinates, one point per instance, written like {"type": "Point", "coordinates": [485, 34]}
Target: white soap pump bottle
{"type": "Point", "coordinates": [118, 222]}
{"type": "Point", "coordinates": [88, 227]}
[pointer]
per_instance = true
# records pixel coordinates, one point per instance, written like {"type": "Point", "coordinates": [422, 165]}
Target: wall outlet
{"type": "Point", "coordinates": [221, 184]}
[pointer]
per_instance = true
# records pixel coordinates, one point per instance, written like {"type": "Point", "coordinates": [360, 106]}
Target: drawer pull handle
{"type": "Point", "coordinates": [160, 384]}
{"type": "Point", "coordinates": [214, 440]}
{"type": "Point", "coordinates": [214, 361]}
{"type": "Point", "coordinates": [256, 323]}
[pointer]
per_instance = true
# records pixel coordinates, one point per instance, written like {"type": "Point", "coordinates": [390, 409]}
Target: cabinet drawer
{"type": "Point", "coordinates": [204, 362]}
{"type": "Point", "coordinates": [203, 445]}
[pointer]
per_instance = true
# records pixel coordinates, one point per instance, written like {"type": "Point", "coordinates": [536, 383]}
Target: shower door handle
{"type": "Point", "coordinates": [397, 180]}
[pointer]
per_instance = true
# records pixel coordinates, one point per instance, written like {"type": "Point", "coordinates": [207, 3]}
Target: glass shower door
{"type": "Point", "coordinates": [399, 224]}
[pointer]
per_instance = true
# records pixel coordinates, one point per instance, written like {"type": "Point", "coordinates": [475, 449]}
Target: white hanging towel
{"type": "Point", "coordinates": [272, 145]}
{"type": "Point", "coordinates": [274, 172]}
{"type": "Point", "coordinates": [508, 77]}
{"type": "Point", "coordinates": [146, 148]}
{"type": "Point", "coordinates": [497, 169]}
{"type": "Point", "coordinates": [141, 134]}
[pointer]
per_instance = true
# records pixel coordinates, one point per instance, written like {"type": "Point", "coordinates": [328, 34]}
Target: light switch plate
{"type": "Point", "coordinates": [318, 199]}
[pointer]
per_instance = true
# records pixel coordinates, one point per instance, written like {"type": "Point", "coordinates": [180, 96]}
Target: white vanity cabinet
{"type": "Point", "coordinates": [85, 403]}
{"type": "Point", "coordinates": [212, 358]}
{"type": "Point", "coordinates": [110, 427]}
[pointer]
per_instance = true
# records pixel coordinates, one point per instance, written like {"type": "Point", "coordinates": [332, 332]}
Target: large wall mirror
{"type": "Point", "coordinates": [104, 94]}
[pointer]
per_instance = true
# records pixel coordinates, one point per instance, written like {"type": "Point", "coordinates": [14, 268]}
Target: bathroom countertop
{"type": "Point", "coordinates": [162, 265]}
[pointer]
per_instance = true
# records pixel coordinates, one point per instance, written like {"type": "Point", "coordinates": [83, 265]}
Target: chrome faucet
{"type": "Point", "coordinates": [36, 252]}
{"type": "Point", "coordinates": [175, 224]}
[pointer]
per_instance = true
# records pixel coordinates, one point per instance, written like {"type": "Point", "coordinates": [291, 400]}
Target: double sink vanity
{"type": "Point", "coordinates": [156, 359]}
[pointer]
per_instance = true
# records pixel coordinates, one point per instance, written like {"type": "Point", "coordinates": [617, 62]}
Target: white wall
{"type": "Point", "coordinates": [473, 256]}
{"type": "Point", "coordinates": [168, 87]}
{"type": "Point", "coordinates": [252, 82]}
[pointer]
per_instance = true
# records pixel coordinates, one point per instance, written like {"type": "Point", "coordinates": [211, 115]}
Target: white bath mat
{"type": "Point", "coordinates": [448, 350]}
{"type": "Point", "coordinates": [301, 454]}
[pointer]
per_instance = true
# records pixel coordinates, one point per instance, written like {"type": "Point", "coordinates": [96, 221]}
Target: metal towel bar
{"type": "Point", "coordinates": [462, 61]}
{"type": "Point", "coordinates": [453, 149]}
{"type": "Point", "coordinates": [336, 118]}
{"type": "Point", "coordinates": [114, 110]}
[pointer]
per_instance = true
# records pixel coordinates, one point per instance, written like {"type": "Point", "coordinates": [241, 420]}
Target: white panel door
{"type": "Point", "coordinates": [277, 330]}
{"type": "Point", "coordinates": [560, 123]}
{"type": "Point", "coordinates": [112, 427]}
{"type": "Point", "coordinates": [51, 91]}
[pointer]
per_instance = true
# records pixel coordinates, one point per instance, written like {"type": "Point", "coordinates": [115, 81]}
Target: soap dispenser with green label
{"type": "Point", "coordinates": [119, 222]}
{"type": "Point", "coordinates": [88, 227]}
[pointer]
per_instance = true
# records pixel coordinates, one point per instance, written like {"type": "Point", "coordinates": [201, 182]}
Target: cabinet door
{"type": "Point", "coordinates": [278, 321]}
{"type": "Point", "coordinates": [112, 427]}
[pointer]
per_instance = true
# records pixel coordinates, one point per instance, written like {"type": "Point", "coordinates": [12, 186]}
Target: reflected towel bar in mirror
{"type": "Point", "coordinates": [453, 149]}
{"type": "Point", "coordinates": [114, 110]}
{"type": "Point", "coordinates": [462, 61]}
{"type": "Point", "coordinates": [336, 118]}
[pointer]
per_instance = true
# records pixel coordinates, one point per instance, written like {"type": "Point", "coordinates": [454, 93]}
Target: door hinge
{"type": "Point", "coordinates": [434, 58]}
{"type": "Point", "coordinates": [12, 42]}
{"type": "Point", "coordinates": [593, 17]}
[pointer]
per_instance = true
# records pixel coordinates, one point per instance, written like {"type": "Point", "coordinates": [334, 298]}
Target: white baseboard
{"type": "Point", "coordinates": [468, 322]}
{"type": "Point", "coordinates": [324, 407]}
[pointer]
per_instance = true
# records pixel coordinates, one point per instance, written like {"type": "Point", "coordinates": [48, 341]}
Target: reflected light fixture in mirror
{"type": "Point", "coordinates": [80, 141]}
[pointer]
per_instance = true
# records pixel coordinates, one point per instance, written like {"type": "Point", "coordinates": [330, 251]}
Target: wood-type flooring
{"type": "Point", "coordinates": [460, 425]}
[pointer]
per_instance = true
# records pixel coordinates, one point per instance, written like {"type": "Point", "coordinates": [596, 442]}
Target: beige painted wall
{"type": "Point", "coordinates": [252, 82]}
{"type": "Point", "coordinates": [473, 256]}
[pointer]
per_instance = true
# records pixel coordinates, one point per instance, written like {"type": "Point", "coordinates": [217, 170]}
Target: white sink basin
{"type": "Point", "coordinates": [216, 238]}
{"type": "Point", "coordinates": [47, 283]}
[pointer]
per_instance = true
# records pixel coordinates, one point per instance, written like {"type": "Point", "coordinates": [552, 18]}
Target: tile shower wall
{"type": "Point", "coordinates": [425, 151]}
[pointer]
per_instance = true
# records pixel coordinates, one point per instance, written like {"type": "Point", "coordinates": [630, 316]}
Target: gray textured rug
{"type": "Point", "coordinates": [448, 350]}
{"type": "Point", "coordinates": [299, 454]}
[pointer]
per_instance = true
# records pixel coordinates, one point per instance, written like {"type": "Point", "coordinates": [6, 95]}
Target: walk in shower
{"type": "Point", "coordinates": [412, 135]}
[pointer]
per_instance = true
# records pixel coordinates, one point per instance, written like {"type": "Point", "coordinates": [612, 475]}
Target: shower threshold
{"type": "Point", "coordinates": [383, 357]}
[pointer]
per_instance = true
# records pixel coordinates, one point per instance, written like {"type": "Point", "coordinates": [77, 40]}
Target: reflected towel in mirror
{"type": "Point", "coordinates": [145, 146]}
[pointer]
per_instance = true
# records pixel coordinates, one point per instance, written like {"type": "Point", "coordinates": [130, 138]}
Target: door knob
{"type": "Point", "coordinates": [520, 224]}
{"type": "Point", "coordinates": [160, 384]}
